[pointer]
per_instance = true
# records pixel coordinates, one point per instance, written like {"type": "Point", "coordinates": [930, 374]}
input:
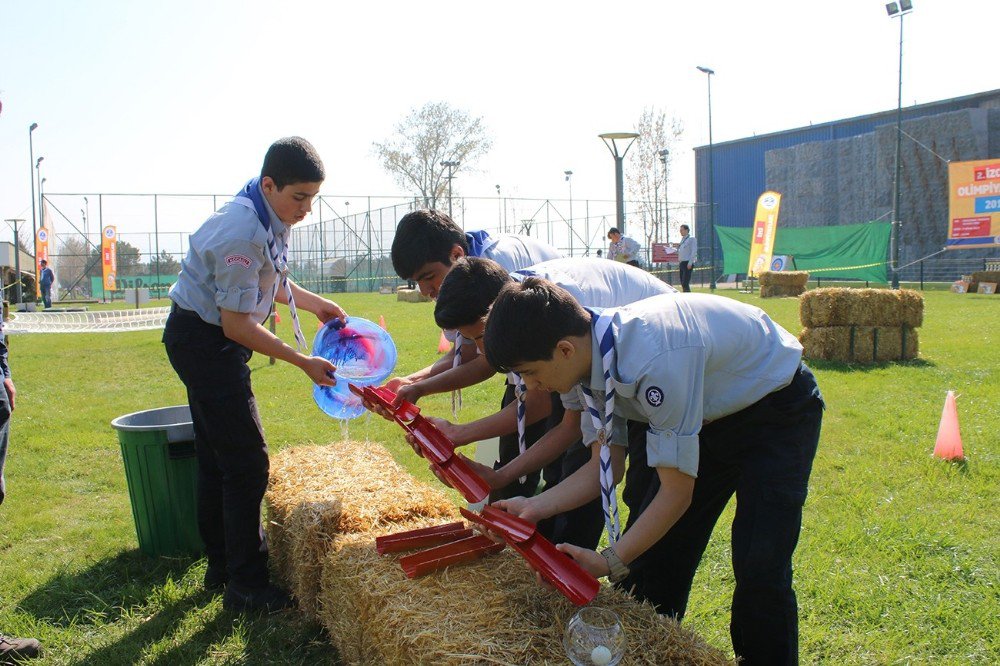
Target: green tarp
{"type": "Point", "coordinates": [855, 251]}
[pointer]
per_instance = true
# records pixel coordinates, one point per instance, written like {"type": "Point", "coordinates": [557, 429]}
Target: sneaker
{"type": "Point", "coordinates": [14, 650]}
{"type": "Point", "coordinates": [268, 599]}
{"type": "Point", "coordinates": [216, 579]}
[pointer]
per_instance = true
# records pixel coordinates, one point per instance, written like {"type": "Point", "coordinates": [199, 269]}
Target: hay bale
{"type": "Point", "coordinates": [781, 290]}
{"type": "Point", "coordinates": [983, 276]}
{"type": "Point", "coordinates": [860, 344]}
{"type": "Point", "coordinates": [317, 493]}
{"type": "Point", "coordinates": [411, 296]}
{"type": "Point", "coordinates": [784, 278]}
{"type": "Point", "coordinates": [489, 612]}
{"type": "Point", "coordinates": [838, 306]}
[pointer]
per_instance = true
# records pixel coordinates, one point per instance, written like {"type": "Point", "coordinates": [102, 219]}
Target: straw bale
{"type": "Point", "coordinates": [489, 612]}
{"type": "Point", "coordinates": [781, 290]}
{"type": "Point", "coordinates": [316, 493]}
{"type": "Point", "coordinates": [872, 344]}
{"type": "Point", "coordinates": [785, 278]}
{"type": "Point", "coordinates": [983, 276]}
{"type": "Point", "coordinates": [411, 296]}
{"type": "Point", "coordinates": [838, 306]}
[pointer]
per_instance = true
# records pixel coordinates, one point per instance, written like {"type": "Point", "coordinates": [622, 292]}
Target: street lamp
{"type": "Point", "coordinates": [901, 9]}
{"type": "Point", "coordinates": [711, 176]}
{"type": "Point", "coordinates": [619, 156]}
{"type": "Point", "coordinates": [664, 154]}
{"type": "Point", "coordinates": [86, 219]}
{"type": "Point", "coordinates": [569, 179]}
{"type": "Point", "coordinates": [31, 154]}
{"type": "Point", "coordinates": [450, 165]}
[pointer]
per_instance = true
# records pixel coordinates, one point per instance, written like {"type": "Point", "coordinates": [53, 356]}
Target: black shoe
{"type": "Point", "coordinates": [268, 599]}
{"type": "Point", "coordinates": [14, 650]}
{"type": "Point", "coordinates": [216, 579]}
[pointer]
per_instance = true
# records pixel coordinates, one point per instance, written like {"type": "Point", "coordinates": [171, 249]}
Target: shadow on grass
{"type": "Point", "coordinates": [150, 609]}
{"type": "Point", "coordinates": [100, 592]}
{"type": "Point", "coordinates": [838, 366]}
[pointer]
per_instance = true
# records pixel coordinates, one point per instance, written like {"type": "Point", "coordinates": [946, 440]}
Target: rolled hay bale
{"type": "Point", "coordinates": [785, 278]}
{"type": "Point", "coordinates": [489, 612]}
{"type": "Point", "coordinates": [860, 344]}
{"type": "Point", "coordinates": [781, 290]}
{"type": "Point", "coordinates": [317, 493]}
{"type": "Point", "coordinates": [983, 276]}
{"type": "Point", "coordinates": [839, 306]}
{"type": "Point", "coordinates": [411, 296]}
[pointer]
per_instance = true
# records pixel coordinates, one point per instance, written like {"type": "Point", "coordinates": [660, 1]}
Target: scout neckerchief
{"type": "Point", "coordinates": [602, 423]}
{"type": "Point", "coordinates": [251, 197]}
{"type": "Point", "coordinates": [476, 240]}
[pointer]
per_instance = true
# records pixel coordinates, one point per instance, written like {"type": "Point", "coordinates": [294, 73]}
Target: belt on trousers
{"type": "Point", "coordinates": [183, 312]}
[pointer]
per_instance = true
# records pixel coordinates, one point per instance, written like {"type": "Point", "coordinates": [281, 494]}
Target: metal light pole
{"type": "Point", "coordinates": [499, 211]}
{"type": "Point", "coordinates": [664, 154]}
{"type": "Point", "coordinates": [450, 165]}
{"type": "Point", "coordinates": [17, 259]}
{"type": "Point", "coordinates": [86, 219]}
{"type": "Point", "coordinates": [31, 153]}
{"type": "Point", "coordinates": [619, 156]}
{"type": "Point", "coordinates": [711, 177]}
{"type": "Point", "coordinates": [569, 179]}
{"type": "Point", "coordinates": [893, 9]}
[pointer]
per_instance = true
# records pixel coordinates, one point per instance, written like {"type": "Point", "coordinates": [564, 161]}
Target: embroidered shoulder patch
{"type": "Point", "coordinates": [654, 396]}
{"type": "Point", "coordinates": [240, 259]}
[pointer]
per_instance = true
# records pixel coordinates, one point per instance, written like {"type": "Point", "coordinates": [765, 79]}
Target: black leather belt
{"type": "Point", "coordinates": [182, 312]}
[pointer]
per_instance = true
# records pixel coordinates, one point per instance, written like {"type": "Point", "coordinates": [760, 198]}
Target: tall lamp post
{"type": "Point", "coordinates": [86, 219]}
{"type": "Point", "coordinates": [711, 176]}
{"type": "Point", "coordinates": [901, 9]}
{"type": "Point", "coordinates": [499, 211]}
{"type": "Point", "coordinates": [31, 154]}
{"type": "Point", "coordinates": [569, 179]}
{"type": "Point", "coordinates": [611, 140]}
{"type": "Point", "coordinates": [450, 165]}
{"type": "Point", "coordinates": [664, 154]}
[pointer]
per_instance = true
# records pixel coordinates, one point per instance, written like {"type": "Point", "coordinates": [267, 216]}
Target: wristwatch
{"type": "Point", "coordinates": [615, 564]}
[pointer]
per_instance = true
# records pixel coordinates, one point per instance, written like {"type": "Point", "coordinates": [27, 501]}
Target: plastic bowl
{"type": "Point", "coordinates": [364, 354]}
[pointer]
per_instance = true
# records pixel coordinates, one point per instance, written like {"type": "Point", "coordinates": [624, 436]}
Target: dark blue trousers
{"type": "Point", "coordinates": [4, 436]}
{"type": "Point", "coordinates": [763, 454]}
{"type": "Point", "coordinates": [233, 463]}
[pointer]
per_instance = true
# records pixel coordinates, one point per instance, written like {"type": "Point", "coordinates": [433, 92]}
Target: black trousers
{"type": "Point", "coordinates": [763, 454]}
{"type": "Point", "coordinates": [581, 526]}
{"type": "Point", "coordinates": [233, 463]}
{"type": "Point", "coordinates": [684, 271]}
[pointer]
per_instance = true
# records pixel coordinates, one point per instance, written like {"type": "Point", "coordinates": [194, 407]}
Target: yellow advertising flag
{"type": "Point", "coordinates": [41, 253]}
{"type": "Point", "coordinates": [109, 257]}
{"type": "Point", "coordinates": [764, 227]}
{"type": "Point", "coordinates": [973, 204]}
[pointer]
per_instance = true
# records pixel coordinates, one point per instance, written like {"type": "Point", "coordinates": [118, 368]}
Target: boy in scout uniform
{"type": "Point", "coordinates": [730, 409]}
{"type": "Point", "coordinates": [233, 272]}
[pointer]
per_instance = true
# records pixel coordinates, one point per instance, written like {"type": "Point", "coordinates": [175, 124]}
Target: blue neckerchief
{"type": "Point", "coordinates": [603, 331]}
{"type": "Point", "coordinates": [477, 242]}
{"type": "Point", "coordinates": [252, 192]}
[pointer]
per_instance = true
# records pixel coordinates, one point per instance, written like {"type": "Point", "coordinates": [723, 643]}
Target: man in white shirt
{"type": "Point", "coordinates": [623, 248]}
{"type": "Point", "coordinates": [687, 255]}
{"type": "Point", "coordinates": [731, 410]}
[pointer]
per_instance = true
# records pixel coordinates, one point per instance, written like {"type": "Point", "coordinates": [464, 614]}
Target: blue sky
{"type": "Point", "coordinates": [185, 97]}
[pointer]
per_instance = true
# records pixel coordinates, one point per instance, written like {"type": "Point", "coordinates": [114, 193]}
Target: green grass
{"type": "Point", "coordinates": [897, 562]}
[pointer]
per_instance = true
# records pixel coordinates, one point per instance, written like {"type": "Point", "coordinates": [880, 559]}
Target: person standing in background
{"type": "Point", "coordinates": [623, 248]}
{"type": "Point", "coordinates": [45, 279]}
{"type": "Point", "coordinates": [687, 255]}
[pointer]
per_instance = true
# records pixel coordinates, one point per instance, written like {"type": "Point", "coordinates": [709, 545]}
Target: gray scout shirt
{"type": "Point", "coordinates": [682, 360]}
{"type": "Point", "coordinates": [229, 266]}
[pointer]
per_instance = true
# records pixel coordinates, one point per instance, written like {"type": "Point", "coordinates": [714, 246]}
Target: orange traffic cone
{"type": "Point", "coordinates": [381, 322]}
{"type": "Point", "coordinates": [277, 318]}
{"type": "Point", "coordinates": [949, 439]}
{"type": "Point", "coordinates": [443, 344]}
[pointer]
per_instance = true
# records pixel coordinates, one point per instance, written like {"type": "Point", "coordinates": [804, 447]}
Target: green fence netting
{"type": "Point", "coordinates": [855, 251]}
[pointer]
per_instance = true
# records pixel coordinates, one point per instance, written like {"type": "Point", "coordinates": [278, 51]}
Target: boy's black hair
{"type": "Point", "coordinates": [684, 226]}
{"type": "Point", "coordinates": [528, 319]}
{"type": "Point", "coordinates": [292, 160]}
{"type": "Point", "coordinates": [42, 261]}
{"type": "Point", "coordinates": [422, 237]}
{"type": "Point", "coordinates": [613, 230]}
{"type": "Point", "coordinates": [468, 291]}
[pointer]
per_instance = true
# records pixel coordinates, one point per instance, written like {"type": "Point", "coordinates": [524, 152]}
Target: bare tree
{"type": "Point", "coordinates": [644, 176]}
{"type": "Point", "coordinates": [426, 137]}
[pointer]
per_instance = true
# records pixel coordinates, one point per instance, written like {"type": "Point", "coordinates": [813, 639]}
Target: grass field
{"type": "Point", "coordinates": [897, 564]}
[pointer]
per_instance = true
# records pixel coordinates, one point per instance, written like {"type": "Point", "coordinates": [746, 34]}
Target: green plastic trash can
{"type": "Point", "coordinates": [161, 468]}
